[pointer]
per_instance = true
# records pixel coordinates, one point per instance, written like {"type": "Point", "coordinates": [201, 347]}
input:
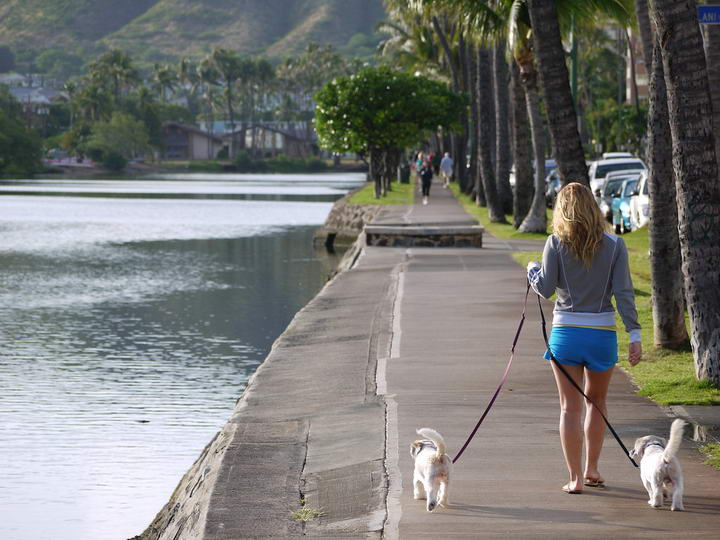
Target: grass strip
{"type": "Point", "coordinates": [666, 377]}
{"type": "Point", "coordinates": [498, 230]}
{"type": "Point", "coordinates": [712, 454]}
{"type": "Point", "coordinates": [399, 194]}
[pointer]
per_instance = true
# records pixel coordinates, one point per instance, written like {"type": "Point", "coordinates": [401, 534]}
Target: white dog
{"type": "Point", "coordinates": [431, 479]}
{"type": "Point", "coordinates": [659, 468]}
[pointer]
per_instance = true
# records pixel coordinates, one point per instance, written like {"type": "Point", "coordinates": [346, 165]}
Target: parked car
{"type": "Point", "coordinates": [614, 174]}
{"type": "Point", "coordinates": [611, 189]}
{"type": "Point", "coordinates": [598, 169]}
{"type": "Point", "coordinates": [616, 155]}
{"type": "Point", "coordinates": [640, 204]}
{"type": "Point", "coordinates": [621, 206]}
{"type": "Point", "coordinates": [552, 186]}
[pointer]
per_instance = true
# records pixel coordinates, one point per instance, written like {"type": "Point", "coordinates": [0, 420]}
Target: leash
{"type": "Point", "coordinates": [577, 387]}
{"type": "Point", "coordinates": [502, 379]}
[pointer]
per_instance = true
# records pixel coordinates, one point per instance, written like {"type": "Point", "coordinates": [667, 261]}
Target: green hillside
{"type": "Point", "coordinates": [158, 30]}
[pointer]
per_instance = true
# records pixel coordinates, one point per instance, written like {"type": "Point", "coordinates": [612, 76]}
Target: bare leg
{"type": "Point", "coordinates": [571, 435]}
{"type": "Point", "coordinates": [596, 388]}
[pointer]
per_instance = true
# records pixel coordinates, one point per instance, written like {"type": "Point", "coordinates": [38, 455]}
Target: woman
{"type": "Point", "coordinates": [426, 176]}
{"type": "Point", "coordinates": [585, 266]}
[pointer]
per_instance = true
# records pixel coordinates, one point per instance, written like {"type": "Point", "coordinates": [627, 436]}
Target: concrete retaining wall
{"type": "Point", "coordinates": [345, 222]}
{"type": "Point", "coordinates": [309, 428]}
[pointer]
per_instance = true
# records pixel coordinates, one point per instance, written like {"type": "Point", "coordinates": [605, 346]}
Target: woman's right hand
{"type": "Point", "coordinates": [635, 353]}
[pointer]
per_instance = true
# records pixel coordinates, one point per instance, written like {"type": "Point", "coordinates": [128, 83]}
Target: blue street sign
{"type": "Point", "coordinates": [709, 14]}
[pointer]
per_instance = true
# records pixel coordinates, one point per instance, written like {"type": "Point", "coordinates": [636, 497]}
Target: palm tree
{"type": "Point", "coordinates": [502, 126]}
{"type": "Point", "coordinates": [485, 101]}
{"type": "Point", "coordinates": [562, 119]}
{"type": "Point", "coordinates": [668, 298]}
{"type": "Point", "coordinates": [696, 175]}
{"type": "Point", "coordinates": [165, 80]}
{"type": "Point", "coordinates": [521, 45]}
{"type": "Point", "coordinates": [229, 68]}
{"type": "Point", "coordinates": [118, 67]}
{"type": "Point", "coordinates": [521, 148]}
{"type": "Point", "coordinates": [712, 52]}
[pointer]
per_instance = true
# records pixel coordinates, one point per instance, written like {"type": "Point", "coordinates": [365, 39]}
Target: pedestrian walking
{"type": "Point", "coordinates": [446, 169]}
{"type": "Point", "coordinates": [426, 176]}
{"type": "Point", "coordinates": [585, 266]}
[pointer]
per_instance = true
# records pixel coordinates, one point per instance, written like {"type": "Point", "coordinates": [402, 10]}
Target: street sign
{"type": "Point", "coordinates": [709, 14]}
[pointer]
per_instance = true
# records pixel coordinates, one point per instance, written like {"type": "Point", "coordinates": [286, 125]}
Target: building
{"type": "Point", "coordinates": [185, 142]}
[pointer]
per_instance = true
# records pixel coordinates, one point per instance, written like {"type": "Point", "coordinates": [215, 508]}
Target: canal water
{"type": "Point", "coordinates": [132, 313]}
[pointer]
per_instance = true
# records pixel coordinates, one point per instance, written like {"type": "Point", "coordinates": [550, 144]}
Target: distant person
{"type": "Point", "coordinates": [446, 169]}
{"type": "Point", "coordinates": [435, 160]}
{"type": "Point", "coordinates": [426, 176]}
{"type": "Point", "coordinates": [419, 158]}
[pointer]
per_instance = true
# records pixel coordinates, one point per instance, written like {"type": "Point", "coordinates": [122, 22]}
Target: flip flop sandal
{"type": "Point", "coordinates": [569, 491]}
{"type": "Point", "coordinates": [590, 482]}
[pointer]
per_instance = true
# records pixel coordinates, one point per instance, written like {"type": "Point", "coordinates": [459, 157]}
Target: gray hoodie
{"type": "Point", "coordinates": [583, 295]}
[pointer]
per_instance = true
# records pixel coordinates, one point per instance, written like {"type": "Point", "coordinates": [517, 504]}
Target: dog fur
{"type": "Point", "coordinates": [433, 466]}
{"type": "Point", "coordinates": [659, 467]}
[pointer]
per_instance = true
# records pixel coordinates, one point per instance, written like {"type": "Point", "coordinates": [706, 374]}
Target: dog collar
{"type": "Point", "coordinates": [655, 444]}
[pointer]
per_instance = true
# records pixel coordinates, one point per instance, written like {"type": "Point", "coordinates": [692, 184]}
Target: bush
{"type": "Point", "coordinates": [113, 161]}
{"type": "Point", "coordinates": [280, 163]}
{"type": "Point", "coordinates": [206, 166]}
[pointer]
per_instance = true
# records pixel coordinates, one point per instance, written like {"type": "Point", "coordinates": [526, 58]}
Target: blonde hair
{"type": "Point", "coordinates": [578, 222]}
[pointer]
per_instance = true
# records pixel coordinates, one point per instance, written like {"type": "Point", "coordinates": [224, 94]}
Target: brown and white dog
{"type": "Point", "coordinates": [659, 467]}
{"type": "Point", "coordinates": [431, 479]}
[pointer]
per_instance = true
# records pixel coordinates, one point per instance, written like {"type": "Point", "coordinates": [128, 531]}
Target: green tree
{"type": "Point", "coordinates": [380, 113]}
{"type": "Point", "coordinates": [59, 64]}
{"type": "Point", "coordinates": [20, 149]}
{"type": "Point", "coordinates": [7, 59]}
{"type": "Point", "coordinates": [123, 135]}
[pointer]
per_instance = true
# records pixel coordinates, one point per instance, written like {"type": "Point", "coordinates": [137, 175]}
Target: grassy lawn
{"type": "Point", "coordinates": [712, 454]}
{"type": "Point", "coordinates": [667, 377]}
{"type": "Point", "coordinates": [499, 230]}
{"type": "Point", "coordinates": [400, 194]}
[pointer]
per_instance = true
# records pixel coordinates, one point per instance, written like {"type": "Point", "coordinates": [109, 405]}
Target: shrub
{"type": "Point", "coordinates": [113, 161]}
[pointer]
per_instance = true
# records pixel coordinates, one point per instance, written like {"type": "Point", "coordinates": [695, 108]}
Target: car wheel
{"type": "Point", "coordinates": [618, 229]}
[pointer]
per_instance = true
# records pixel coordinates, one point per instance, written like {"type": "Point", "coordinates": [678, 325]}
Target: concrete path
{"type": "Point", "coordinates": [458, 310]}
{"type": "Point", "coordinates": [410, 338]}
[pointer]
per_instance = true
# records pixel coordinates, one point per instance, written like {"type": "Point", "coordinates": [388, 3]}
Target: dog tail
{"type": "Point", "coordinates": [435, 437]}
{"type": "Point", "coordinates": [673, 445]}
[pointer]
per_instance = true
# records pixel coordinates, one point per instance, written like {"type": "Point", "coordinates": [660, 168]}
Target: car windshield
{"type": "Point", "coordinates": [611, 186]}
{"type": "Point", "coordinates": [602, 170]}
{"type": "Point", "coordinates": [629, 188]}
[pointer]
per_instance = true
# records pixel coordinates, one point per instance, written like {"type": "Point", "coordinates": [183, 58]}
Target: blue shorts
{"type": "Point", "coordinates": [594, 348]}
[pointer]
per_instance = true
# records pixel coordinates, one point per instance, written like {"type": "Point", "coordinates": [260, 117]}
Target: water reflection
{"type": "Point", "coordinates": [129, 329]}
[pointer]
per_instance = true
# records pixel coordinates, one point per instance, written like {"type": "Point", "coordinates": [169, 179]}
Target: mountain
{"type": "Point", "coordinates": [164, 30]}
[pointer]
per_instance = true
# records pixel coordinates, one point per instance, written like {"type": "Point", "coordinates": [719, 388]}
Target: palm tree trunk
{"type": "Point", "coordinates": [466, 186]}
{"type": "Point", "coordinates": [502, 128]}
{"type": "Point", "coordinates": [633, 76]}
{"type": "Point", "coordinates": [536, 220]}
{"type": "Point", "coordinates": [696, 175]}
{"type": "Point", "coordinates": [668, 298]}
{"type": "Point", "coordinates": [521, 149]}
{"type": "Point", "coordinates": [485, 96]}
{"type": "Point", "coordinates": [646, 33]}
{"type": "Point", "coordinates": [562, 119]}
{"type": "Point", "coordinates": [712, 53]}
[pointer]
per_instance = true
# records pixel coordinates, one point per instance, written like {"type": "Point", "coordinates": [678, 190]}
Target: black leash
{"type": "Point", "coordinates": [502, 380]}
{"type": "Point", "coordinates": [561, 368]}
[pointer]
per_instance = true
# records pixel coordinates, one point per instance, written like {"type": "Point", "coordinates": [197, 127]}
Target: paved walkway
{"type": "Point", "coordinates": [410, 338]}
{"type": "Point", "coordinates": [456, 313]}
